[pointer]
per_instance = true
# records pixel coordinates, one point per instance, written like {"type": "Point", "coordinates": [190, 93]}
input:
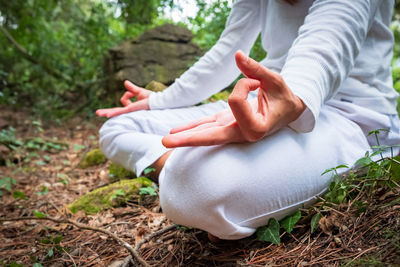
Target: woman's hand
{"type": "Point", "coordinates": [142, 102]}
{"type": "Point", "coordinates": [246, 121]}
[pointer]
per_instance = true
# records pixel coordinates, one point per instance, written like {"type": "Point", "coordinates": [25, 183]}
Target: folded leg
{"type": "Point", "coordinates": [231, 190]}
{"type": "Point", "coordinates": [134, 139]}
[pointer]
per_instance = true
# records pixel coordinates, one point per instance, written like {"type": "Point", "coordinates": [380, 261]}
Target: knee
{"type": "Point", "coordinates": [192, 196]}
{"type": "Point", "coordinates": [118, 125]}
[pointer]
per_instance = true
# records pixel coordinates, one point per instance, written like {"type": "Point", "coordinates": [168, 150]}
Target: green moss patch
{"type": "Point", "coordinates": [92, 158]}
{"type": "Point", "coordinates": [112, 195]}
{"type": "Point", "coordinates": [118, 172]}
{"type": "Point", "coordinates": [223, 95]}
{"type": "Point", "coordinates": [155, 86]}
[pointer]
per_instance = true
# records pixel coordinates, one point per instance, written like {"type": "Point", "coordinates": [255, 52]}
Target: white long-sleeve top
{"type": "Point", "coordinates": [324, 49]}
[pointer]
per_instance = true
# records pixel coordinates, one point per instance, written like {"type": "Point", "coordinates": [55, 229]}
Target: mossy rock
{"type": "Point", "coordinates": [155, 86]}
{"type": "Point", "coordinates": [119, 172]}
{"type": "Point", "coordinates": [396, 169]}
{"type": "Point", "coordinates": [92, 158]}
{"type": "Point", "coordinates": [223, 95]}
{"type": "Point", "coordinates": [109, 196]}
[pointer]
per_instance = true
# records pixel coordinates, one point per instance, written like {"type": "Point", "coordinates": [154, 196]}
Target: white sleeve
{"type": "Point", "coordinates": [324, 52]}
{"type": "Point", "coordinates": [217, 68]}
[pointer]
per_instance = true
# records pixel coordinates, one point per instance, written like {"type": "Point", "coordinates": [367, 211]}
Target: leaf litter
{"type": "Point", "coordinates": [344, 234]}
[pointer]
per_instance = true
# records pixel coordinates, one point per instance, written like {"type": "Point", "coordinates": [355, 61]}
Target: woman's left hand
{"type": "Point", "coordinates": [246, 121]}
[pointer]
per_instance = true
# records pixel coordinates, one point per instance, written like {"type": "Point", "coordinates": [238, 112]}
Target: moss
{"type": "Point", "coordinates": [119, 172]}
{"type": "Point", "coordinates": [395, 169]}
{"type": "Point", "coordinates": [223, 95]}
{"type": "Point", "coordinates": [92, 158]}
{"type": "Point", "coordinates": [112, 195]}
{"type": "Point", "coordinates": [155, 86]}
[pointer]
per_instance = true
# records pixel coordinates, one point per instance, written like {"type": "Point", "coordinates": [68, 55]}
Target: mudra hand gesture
{"type": "Point", "coordinates": [246, 121]}
{"type": "Point", "coordinates": [142, 102]}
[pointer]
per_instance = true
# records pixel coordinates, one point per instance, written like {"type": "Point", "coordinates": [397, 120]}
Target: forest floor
{"type": "Point", "coordinates": [43, 177]}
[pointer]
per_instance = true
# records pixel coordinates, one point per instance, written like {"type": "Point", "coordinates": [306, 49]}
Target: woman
{"type": "Point", "coordinates": [325, 83]}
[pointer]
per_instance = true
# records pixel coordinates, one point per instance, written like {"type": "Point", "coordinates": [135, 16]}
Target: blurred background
{"type": "Point", "coordinates": [55, 54]}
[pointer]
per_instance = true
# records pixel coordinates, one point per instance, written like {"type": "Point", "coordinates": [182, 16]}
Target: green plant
{"type": "Point", "coordinates": [271, 232]}
{"type": "Point", "coordinates": [6, 183]}
{"type": "Point", "coordinates": [148, 190]}
{"type": "Point", "coordinates": [369, 177]}
{"type": "Point", "coordinates": [53, 244]}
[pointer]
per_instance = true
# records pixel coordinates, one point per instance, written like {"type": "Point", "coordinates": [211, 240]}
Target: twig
{"type": "Point", "coordinates": [128, 259]}
{"type": "Point", "coordinates": [133, 252]}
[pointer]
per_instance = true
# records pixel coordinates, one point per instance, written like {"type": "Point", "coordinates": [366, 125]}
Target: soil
{"type": "Point", "coordinates": [50, 179]}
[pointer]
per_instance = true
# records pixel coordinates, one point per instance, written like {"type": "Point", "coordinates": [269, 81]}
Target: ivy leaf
{"type": "Point", "coordinates": [39, 214]}
{"type": "Point", "coordinates": [147, 191]}
{"type": "Point", "coordinates": [7, 183]}
{"type": "Point", "coordinates": [363, 161]}
{"type": "Point", "coordinates": [57, 239]}
{"type": "Point", "coordinates": [50, 253]}
{"type": "Point", "coordinates": [289, 221]}
{"type": "Point", "coordinates": [148, 170]}
{"type": "Point", "coordinates": [19, 194]}
{"type": "Point", "coordinates": [270, 233]}
{"type": "Point", "coordinates": [78, 147]}
{"type": "Point", "coordinates": [315, 221]}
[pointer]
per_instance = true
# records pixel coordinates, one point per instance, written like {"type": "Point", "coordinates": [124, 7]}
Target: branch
{"type": "Point", "coordinates": [55, 73]}
{"type": "Point", "coordinates": [127, 260]}
{"type": "Point", "coordinates": [133, 252]}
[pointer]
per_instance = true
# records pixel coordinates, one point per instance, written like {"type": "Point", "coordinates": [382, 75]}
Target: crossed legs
{"type": "Point", "coordinates": [231, 190]}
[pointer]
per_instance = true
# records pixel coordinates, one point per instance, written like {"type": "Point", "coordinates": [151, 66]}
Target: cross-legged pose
{"type": "Point", "coordinates": [227, 168]}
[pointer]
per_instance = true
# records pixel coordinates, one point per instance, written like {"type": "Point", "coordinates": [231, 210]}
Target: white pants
{"type": "Point", "coordinates": [231, 190]}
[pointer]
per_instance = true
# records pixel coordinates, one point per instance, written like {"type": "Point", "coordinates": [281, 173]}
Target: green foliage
{"type": "Point", "coordinates": [53, 244]}
{"type": "Point", "coordinates": [148, 190]}
{"type": "Point", "coordinates": [117, 193]}
{"type": "Point", "coordinates": [44, 191]}
{"type": "Point", "coordinates": [148, 170]}
{"type": "Point", "coordinates": [112, 195]}
{"type": "Point", "coordinates": [7, 183]}
{"type": "Point", "coordinates": [288, 222]}
{"type": "Point", "coordinates": [19, 195]}
{"type": "Point", "coordinates": [314, 221]}
{"type": "Point", "coordinates": [209, 22]}
{"type": "Point", "coordinates": [382, 173]}
{"type": "Point", "coordinates": [39, 214]}
{"type": "Point", "coordinates": [7, 137]}
{"type": "Point", "coordinates": [270, 233]}
{"type": "Point", "coordinates": [119, 172]}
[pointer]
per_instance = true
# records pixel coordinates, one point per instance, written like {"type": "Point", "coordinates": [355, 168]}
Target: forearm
{"type": "Point", "coordinates": [325, 51]}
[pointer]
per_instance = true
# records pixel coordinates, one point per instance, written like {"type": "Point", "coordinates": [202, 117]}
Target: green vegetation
{"type": "Point", "coordinates": [93, 158]}
{"type": "Point", "coordinates": [357, 187]}
{"type": "Point", "coordinates": [109, 196]}
{"type": "Point", "coordinates": [118, 172]}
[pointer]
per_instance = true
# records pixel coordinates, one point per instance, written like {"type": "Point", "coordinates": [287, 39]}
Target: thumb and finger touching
{"type": "Point", "coordinates": [129, 106]}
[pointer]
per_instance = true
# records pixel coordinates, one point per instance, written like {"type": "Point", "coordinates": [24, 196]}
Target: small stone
{"type": "Point", "coordinates": [46, 184]}
{"type": "Point", "coordinates": [103, 174]}
{"type": "Point", "coordinates": [337, 240]}
{"type": "Point", "coordinates": [58, 185]}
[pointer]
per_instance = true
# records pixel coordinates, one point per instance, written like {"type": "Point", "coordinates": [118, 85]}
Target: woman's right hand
{"type": "Point", "coordinates": [142, 102]}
